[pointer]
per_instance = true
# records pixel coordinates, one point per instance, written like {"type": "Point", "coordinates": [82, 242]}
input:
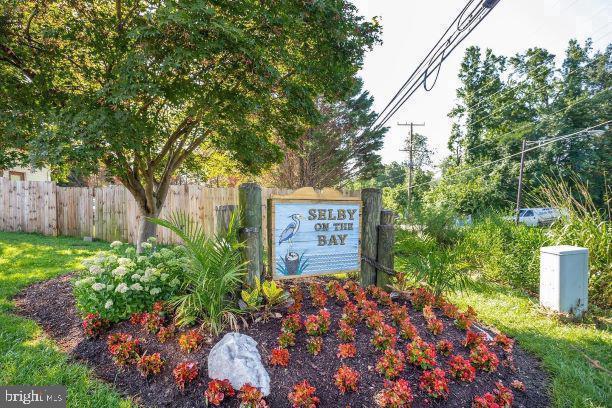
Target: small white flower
{"type": "Point", "coordinates": [136, 287]}
{"type": "Point", "coordinates": [108, 304]}
{"type": "Point", "coordinates": [116, 244]}
{"type": "Point", "coordinates": [155, 291]}
{"type": "Point", "coordinates": [98, 286]}
{"type": "Point", "coordinates": [136, 277]}
{"type": "Point", "coordinates": [121, 288]}
{"type": "Point", "coordinates": [119, 271]}
{"type": "Point", "coordinates": [95, 269]}
{"type": "Point", "coordinates": [146, 245]}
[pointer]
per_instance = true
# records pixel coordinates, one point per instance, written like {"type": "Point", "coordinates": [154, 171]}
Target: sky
{"type": "Point", "coordinates": [411, 28]}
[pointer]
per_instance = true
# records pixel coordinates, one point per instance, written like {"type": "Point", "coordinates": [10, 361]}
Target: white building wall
{"type": "Point", "coordinates": [43, 174]}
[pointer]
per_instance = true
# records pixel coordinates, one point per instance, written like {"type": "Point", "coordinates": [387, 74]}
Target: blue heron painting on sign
{"type": "Point", "coordinates": [291, 229]}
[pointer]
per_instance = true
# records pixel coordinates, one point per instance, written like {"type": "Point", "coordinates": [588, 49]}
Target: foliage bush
{"type": "Point", "coordinates": [120, 282]}
{"type": "Point", "coordinates": [213, 272]}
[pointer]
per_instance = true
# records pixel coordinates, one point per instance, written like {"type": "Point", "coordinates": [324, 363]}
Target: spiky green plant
{"type": "Point", "coordinates": [213, 275]}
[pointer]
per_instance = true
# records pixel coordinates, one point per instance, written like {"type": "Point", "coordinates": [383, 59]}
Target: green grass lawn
{"type": "Point", "coordinates": [563, 347]}
{"type": "Point", "coordinates": [26, 356]}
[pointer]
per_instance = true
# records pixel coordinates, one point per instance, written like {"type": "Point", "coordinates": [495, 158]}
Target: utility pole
{"type": "Point", "coordinates": [410, 151]}
{"type": "Point", "coordinates": [520, 182]}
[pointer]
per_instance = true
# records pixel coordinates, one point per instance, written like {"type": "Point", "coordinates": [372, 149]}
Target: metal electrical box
{"type": "Point", "coordinates": [564, 278]}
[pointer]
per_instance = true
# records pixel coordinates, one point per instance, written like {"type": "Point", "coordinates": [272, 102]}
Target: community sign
{"type": "Point", "coordinates": [313, 234]}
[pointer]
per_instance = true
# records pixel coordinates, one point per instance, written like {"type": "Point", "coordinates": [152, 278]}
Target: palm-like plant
{"type": "Point", "coordinates": [213, 275]}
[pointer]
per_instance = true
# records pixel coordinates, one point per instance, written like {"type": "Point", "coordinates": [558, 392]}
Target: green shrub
{"type": "Point", "coordinates": [213, 274]}
{"type": "Point", "coordinates": [120, 282]}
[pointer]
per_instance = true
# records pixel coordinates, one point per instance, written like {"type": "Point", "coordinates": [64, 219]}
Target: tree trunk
{"type": "Point", "coordinates": [146, 229]}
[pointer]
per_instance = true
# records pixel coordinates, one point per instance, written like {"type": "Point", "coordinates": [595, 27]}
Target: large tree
{"type": "Point", "coordinates": [138, 86]}
{"type": "Point", "coordinates": [341, 147]}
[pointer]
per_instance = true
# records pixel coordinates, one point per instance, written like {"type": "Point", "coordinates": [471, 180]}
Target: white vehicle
{"type": "Point", "coordinates": [537, 216]}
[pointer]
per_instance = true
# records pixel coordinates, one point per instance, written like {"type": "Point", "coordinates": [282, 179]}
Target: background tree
{"type": "Point", "coordinates": [139, 86]}
{"type": "Point", "coordinates": [340, 147]}
{"type": "Point", "coordinates": [503, 100]}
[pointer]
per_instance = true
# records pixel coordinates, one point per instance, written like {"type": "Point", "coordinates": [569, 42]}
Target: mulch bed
{"type": "Point", "coordinates": [52, 305]}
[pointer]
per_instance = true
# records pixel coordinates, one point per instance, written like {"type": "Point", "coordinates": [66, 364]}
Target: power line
{"type": "Point", "coordinates": [517, 154]}
{"type": "Point", "coordinates": [466, 21]}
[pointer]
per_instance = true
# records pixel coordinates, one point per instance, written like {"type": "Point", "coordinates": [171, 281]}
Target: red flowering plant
{"type": "Point", "coordinates": [346, 350]}
{"type": "Point", "coordinates": [506, 343]}
{"type": "Point", "coordinates": [421, 354]}
{"type": "Point", "coordinates": [501, 397]}
{"type": "Point", "coordinates": [380, 295]}
{"type": "Point", "coordinates": [291, 323]}
{"type": "Point", "coordinates": [345, 332]}
{"type": "Point", "coordinates": [279, 356]}
{"type": "Point", "coordinates": [399, 314]}
{"type": "Point", "coordinates": [407, 330]}
{"type": "Point", "coordinates": [190, 340]}
{"type": "Point", "coordinates": [217, 391]}
{"type": "Point", "coordinates": [483, 359]}
{"type": "Point", "coordinates": [351, 286]}
{"type": "Point", "coordinates": [93, 325]}
{"type": "Point", "coordinates": [444, 347]}
{"type": "Point", "coordinates": [303, 396]}
{"type": "Point", "coordinates": [435, 326]}
{"type": "Point", "coordinates": [360, 296]}
{"type": "Point", "coordinates": [332, 287]}
{"type": "Point", "coordinates": [428, 312]}
{"type": "Point", "coordinates": [124, 349]}
{"type": "Point", "coordinates": [391, 364]}
{"type": "Point", "coordinates": [449, 310]}
{"type": "Point", "coordinates": [350, 314]}
{"type": "Point", "coordinates": [385, 336]}
{"type": "Point", "coordinates": [420, 297]}
{"type": "Point", "coordinates": [318, 325]}
{"type": "Point", "coordinates": [314, 345]}
{"type": "Point", "coordinates": [346, 379]}
{"type": "Point", "coordinates": [473, 339]}
{"type": "Point", "coordinates": [136, 318]}
{"type": "Point", "coordinates": [298, 299]}
{"type": "Point", "coordinates": [395, 394]}
{"type": "Point", "coordinates": [463, 321]}
{"type": "Point", "coordinates": [461, 369]}
{"type": "Point", "coordinates": [184, 373]}
{"type": "Point", "coordinates": [251, 397]}
{"type": "Point", "coordinates": [318, 296]}
{"type": "Point", "coordinates": [286, 339]}
{"type": "Point", "coordinates": [518, 385]}
{"type": "Point", "coordinates": [374, 318]}
{"type": "Point", "coordinates": [154, 320]}
{"type": "Point", "coordinates": [434, 383]}
{"type": "Point", "coordinates": [342, 295]}
{"type": "Point", "coordinates": [165, 333]}
{"type": "Point", "coordinates": [150, 364]}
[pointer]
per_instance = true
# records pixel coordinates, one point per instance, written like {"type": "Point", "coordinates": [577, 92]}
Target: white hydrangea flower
{"type": "Point", "coordinates": [174, 282]}
{"type": "Point", "coordinates": [136, 286]}
{"type": "Point", "coordinates": [124, 261]}
{"type": "Point", "coordinates": [146, 245]}
{"type": "Point", "coordinates": [116, 244]}
{"type": "Point", "coordinates": [87, 262]}
{"type": "Point", "coordinates": [79, 283]}
{"type": "Point", "coordinates": [112, 259]}
{"type": "Point", "coordinates": [98, 286]}
{"type": "Point", "coordinates": [108, 304]}
{"type": "Point", "coordinates": [121, 288]}
{"type": "Point", "coordinates": [136, 277]}
{"type": "Point", "coordinates": [119, 271]}
{"type": "Point", "coordinates": [142, 258]}
{"type": "Point", "coordinates": [155, 291]}
{"type": "Point", "coordinates": [145, 278]}
{"type": "Point", "coordinates": [95, 269]}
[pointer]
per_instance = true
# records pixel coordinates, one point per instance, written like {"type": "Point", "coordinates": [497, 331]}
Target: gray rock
{"type": "Point", "coordinates": [235, 358]}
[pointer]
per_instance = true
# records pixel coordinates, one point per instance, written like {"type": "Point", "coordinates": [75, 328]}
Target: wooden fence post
{"type": "Point", "coordinates": [224, 216]}
{"type": "Point", "coordinates": [249, 203]}
{"type": "Point", "coordinates": [250, 252]}
{"type": "Point", "coordinates": [371, 199]}
{"type": "Point", "coordinates": [386, 242]}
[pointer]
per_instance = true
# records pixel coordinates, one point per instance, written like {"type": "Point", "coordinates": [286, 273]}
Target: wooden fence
{"type": "Point", "coordinates": [106, 213]}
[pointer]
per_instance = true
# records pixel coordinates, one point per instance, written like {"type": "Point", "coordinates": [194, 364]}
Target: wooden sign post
{"type": "Point", "coordinates": [312, 234]}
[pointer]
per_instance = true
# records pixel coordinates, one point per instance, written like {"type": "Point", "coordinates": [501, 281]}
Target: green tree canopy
{"type": "Point", "coordinates": [140, 85]}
